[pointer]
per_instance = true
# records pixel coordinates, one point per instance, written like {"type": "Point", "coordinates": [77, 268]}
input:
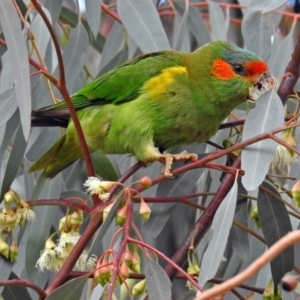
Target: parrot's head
{"type": "Point", "coordinates": [233, 70]}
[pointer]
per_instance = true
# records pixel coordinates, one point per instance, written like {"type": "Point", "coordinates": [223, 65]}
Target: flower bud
{"type": "Point", "coordinates": [145, 182]}
{"type": "Point", "coordinates": [254, 216]}
{"type": "Point", "coordinates": [76, 219]}
{"type": "Point", "coordinates": [65, 223]}
{"type": "Point", "coordinates": [145, 210]}
{"type": "Point", "coordinates": [139, 288]}
{"type": "Point", "coordinates": [9, 218]}
{"type": "Point", "coordinates": [9, 197]}
{"type": "Point", "coordinates": [289, 282]}
{"type": "Point", "coordinates": [136, 263]}
{"type": "Point", "coordinates": [124, 271]}
{"type": "Point", "coordinates": [121, 215]}
{"type": "Point", "coordinates": [296, 193]}
{"type": "Point", "coordinates": [13, 252]}
{"type": "Point", "coordinates": [102, 274]}
{"type": "Point", "coordinates": [4, 248]}
{"type": "Point", "coordinates": [127, 257]}
{"type": "Point", "coordinates": [192, 270]}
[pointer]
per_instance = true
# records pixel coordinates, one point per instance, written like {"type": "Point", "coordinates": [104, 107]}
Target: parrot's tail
{"type": "Point", "coordinates": [55, 159]}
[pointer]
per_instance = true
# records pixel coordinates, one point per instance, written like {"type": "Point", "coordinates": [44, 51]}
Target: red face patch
{"type": "Point", "coordinates": [256, 67]}
{"type": "Point", "coordinates": [222, 69]}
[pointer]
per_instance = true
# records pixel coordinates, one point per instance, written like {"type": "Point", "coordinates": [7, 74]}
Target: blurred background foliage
{"type": "Point", "coordinates": [94, 38]}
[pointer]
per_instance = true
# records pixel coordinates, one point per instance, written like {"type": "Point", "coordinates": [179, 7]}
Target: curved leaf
{"type": "Point", "coordinates": [275, 223]}
{"type": "Point", "coordinates": [54, 8]}
{"type": "Point", "coordinates": [267, 115]}
{"type": "Point", "coordinates": [141, 20]}
{"type": "Point", "coordinates": [238, 237]}
{"type": "Point", "coordinates": [6, 267]}
{"type": "Point", "coordinates": [74, 60]}
{"type": "Point", "coordinates": [8, 105]}
{"type": "Point", "coordinates": [195, 23]}
{"type": "Point", "coordinates": [15, 292]}
{"type": "Point", "coordinates": [158, 282]}
{"type": "Point", "coordinates": [15, 158]}
{"type": "Point", "coordinates": [19, 61]}
{"type": "Point", "coordinates": [93, 12]}
{"type": "Point", "coordinates": [221, 225]}
{"type": "Point", "coordinates": [71, 290]}
{"type": "Point", "coordinates": [217, 21]}
{"type": "Point", "coordinates": [41, 33]}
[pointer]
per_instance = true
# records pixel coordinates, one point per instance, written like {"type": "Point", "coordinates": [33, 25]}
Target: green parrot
{"type": "Point", "coordinates": [156, 100]}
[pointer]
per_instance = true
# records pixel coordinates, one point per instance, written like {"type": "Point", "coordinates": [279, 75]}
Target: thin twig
{"type": "Point", "coordinates": [284, 243]}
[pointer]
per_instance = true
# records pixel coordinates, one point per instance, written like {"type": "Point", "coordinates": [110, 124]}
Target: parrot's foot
{"type": "Point", "coordinates": [169, 158]}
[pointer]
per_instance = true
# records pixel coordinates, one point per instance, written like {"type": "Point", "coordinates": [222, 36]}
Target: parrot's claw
{"type": "Point", "coordinates": [169, 158]}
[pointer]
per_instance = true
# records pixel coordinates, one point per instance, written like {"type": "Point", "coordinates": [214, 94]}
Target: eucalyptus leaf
{"type": "Point", "coordinates": [221, 225]}
{"type": "Point", "coordinates": [71, 290]}
{"type": "Point", "coordinates": [195, 23]}
{"type": "Point", "coordinates": [93, 12]}
{"type": "Point", "coordinates": [275, 224]}
{"type": "Point", "coordinates": [158, 282]}
{"type": "Point", "coordinates": [14, 161]}
{"type": "Point", "coordinates": [256, 158]}
{"type": "Point", "coordinates": [6, 268]}
{"type": "Point", "coordinates": [19, 61]}
{"type": "Point", "coordinates": [8, 105]}
{"type": "Point", "coordinates": [54, 8]}
{"type": "Point", "coordinates": [217, 20]}
{"type": "Point", "coordinates": [74, 60]}
{"type": "Point", "coordinates": [15, 291]}
{"type": "Point", "coordinates": [141, 20]}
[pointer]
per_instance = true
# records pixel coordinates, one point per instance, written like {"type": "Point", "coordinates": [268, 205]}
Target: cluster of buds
{"type": "Point", "coordinates": [10, 252]}
{"type": "Point", "coordinates": [54, 254]}
{"type": "Point", "coordinates": [129, 262]}
{"type": "Point", "coordinates": [269, 293]}
{"type": "Point", "coordinates": [284, 156]}
{"type": "Point", "coordinates": [193, 268]}
{"type": "Point", "coordinates": [14, 213]}
{"type": "Point", "coordinates": [121, 214]}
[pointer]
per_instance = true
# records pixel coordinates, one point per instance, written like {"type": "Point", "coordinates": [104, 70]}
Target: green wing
{"type": "Point", "coordinates": [122, 83]}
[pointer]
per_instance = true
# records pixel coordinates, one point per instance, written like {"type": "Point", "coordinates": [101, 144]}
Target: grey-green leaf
{"type": "Point", "coordinates": [74, 60]}
{"type": "Point", "coordinates": [142, 21]}
{"type": "Point", "coordinates": [221, 225]}
{"type": "Point", "coordinates": [195, 23]}
{"type": "Point", "coordinates": [19, 61]}
{"type": "Point", "coordinates": [158, 283]}
{"type": "Point", "coordinates": [267, 115]}
{"type": "Point", "coordinates": [217, 21]}
{"type": "Point", "coordinates": [15, 158]}
{"type": "Point", "coordinates": [93, 12]}
{"type": "Point", "coordinates": [8, 105]}
{"type": "Point", "coordinates": [275, 223]}
{"type": "Point", "coordinates": [71, 290]}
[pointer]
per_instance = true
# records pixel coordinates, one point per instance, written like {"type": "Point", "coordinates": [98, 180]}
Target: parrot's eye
{"type": "Point", "coordinates": [239, 69]}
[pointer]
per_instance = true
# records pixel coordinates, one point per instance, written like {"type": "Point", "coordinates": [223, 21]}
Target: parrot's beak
{"type": "Point", "coordinates": [264, 83]}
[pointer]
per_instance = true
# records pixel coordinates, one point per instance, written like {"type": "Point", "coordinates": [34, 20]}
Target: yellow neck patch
{"type": "Point", "coordinates": [158, 84]}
